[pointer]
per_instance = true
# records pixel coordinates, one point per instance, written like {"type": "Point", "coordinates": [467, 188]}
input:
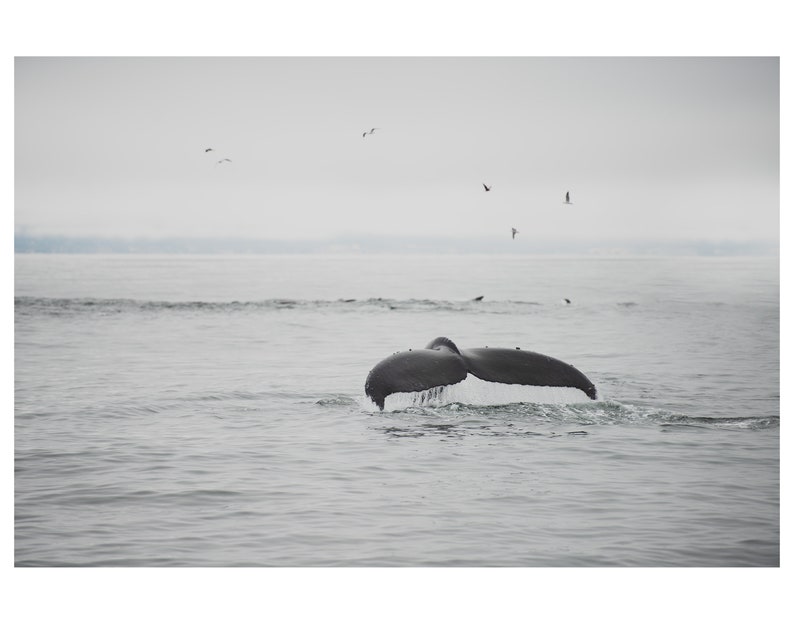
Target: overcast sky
{"type": "Point", "coordinates": [680, 148]}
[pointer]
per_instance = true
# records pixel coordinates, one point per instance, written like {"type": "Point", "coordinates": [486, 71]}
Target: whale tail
{"type": "Point", "coordinates": [442, 363]}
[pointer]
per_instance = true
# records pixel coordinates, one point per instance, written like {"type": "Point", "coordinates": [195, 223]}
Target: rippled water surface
{"type": "Point", "coordinates": [209, 411]}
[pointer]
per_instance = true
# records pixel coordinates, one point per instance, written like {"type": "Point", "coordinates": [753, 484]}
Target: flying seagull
{"type": "Point", "coordinates": [487, 188]}
{"type": "Point", "coordinates": [568, 198]}
{"type": "Point", "coordinates": [515, 231]}
{"type": "Point", "coordinates": [209, 149]}
{"type": "Point", "coordinates": [223, 160]}
{"type": "Point", "coordinates": [370, 132]}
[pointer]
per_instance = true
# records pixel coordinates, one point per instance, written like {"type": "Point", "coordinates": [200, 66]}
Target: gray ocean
{"type": "Point", "coordinates": [206, 410]}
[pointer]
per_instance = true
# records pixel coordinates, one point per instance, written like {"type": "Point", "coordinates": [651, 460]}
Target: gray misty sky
{"type": "Point", "coordinates": [676, 147]}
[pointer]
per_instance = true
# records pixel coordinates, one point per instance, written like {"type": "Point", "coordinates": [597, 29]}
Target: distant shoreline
{"type": "Point", "coordinates": [383, 245]}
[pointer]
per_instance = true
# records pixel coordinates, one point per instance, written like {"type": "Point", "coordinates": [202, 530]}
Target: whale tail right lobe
{"type": "Point", "coordinates": [515, 366]}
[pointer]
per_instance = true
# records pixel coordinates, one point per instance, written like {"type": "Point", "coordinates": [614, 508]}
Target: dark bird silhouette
{"type": "Point", "coordinates": [566, 300]}
{"type": "Point", "coordinates": [370, 132]}
{"type": "Point", "coordinates": [515, 231]}
{"type": "Point", "coordinates": [568, 198]}
{"type": "Point", "coordinates": [223, 160]}
{"type": "Point", "coordinates": [209, 149]}
{"type": "Point", "coordinates": [487, 188]}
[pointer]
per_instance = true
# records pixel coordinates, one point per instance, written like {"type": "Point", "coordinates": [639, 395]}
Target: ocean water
{"type": "Point", "coordinates": [210, 411]}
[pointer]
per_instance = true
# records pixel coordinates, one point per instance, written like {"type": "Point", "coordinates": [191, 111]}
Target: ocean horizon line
{"type": "Point", "coordinates": [390, 245]}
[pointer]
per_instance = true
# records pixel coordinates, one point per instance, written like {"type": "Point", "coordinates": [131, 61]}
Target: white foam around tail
{"type": "Point", "coordinates": [475, 391]}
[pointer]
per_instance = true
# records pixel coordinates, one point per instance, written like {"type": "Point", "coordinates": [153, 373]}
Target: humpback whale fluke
{"type": "Point", "coordinates": [442, 364]}
{"type": "Point", "coordinates": [487, 188]}
{"type": "Point", "coordinates": [478, 298]}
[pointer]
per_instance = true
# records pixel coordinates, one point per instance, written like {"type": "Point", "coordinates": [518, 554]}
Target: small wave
{"type": "Point", "coordinates": [566, 418]}
{"type": "Point", "coordinates": [337, 399]}
{"type": "Point", "coordinates": [76, 305]}
{"type": "Point", "coordinates": [730, 422]}
{"type": "Point", "coordinates": [607, 412]}
{"type": "Point", "coordinates": [234, 395]}
{"type": "Point", "coordinates": [457, 421]}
